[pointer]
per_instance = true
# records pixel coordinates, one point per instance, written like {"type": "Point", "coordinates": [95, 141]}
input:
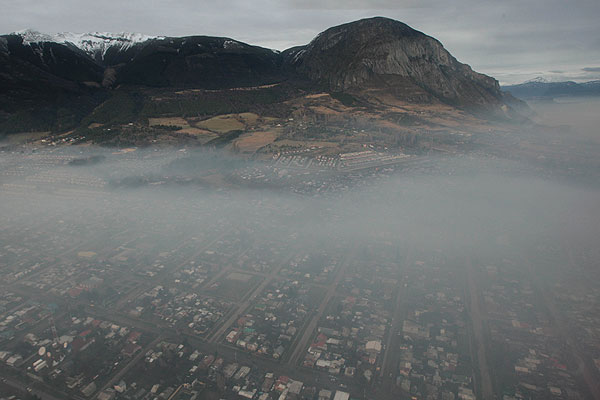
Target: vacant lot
{"type": "Point", "coordinates": [170, 121]}
{"type": "Point", "coordinates": [252, 141]}
{"type": "Point", "coordinates": [223, 123]}
{"type": "Point", "coordinates": [234, 286]}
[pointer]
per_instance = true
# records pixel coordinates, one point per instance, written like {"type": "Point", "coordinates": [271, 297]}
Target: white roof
{"type": "Point", "coordinates": [374, 345]}
{"type": "Point", "coordinates": [339, 395]}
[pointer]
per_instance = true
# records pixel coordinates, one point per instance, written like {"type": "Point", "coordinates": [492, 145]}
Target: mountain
{"type": "Point", "coordinates": [100, 46]}
{"type": "Point", "coordinates": [202, 62]}
{"type": "Point", "coordinates": [548, 90]}
{"type": "Point", "coordinates": [384, 52]}
{"type": "Point", "coordinates": [59, 82]}
{"type": "Point", "coordinates": [193, 61]}
{"type": "Point", "coordinates": [198, 61]}
{"type": "Point", "coordinates": [45, 86]}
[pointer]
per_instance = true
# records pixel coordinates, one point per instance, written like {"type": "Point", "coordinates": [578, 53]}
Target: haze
{"type": "Point", "coordinates": [480, 270]}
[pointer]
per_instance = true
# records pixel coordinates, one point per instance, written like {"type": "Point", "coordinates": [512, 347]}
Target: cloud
{"type": "Point", "coordinates": [355, 4]}
{"type": "Point", "coordinates": [492, 36]}
{"type": "Point", "coordinates": [591, 69]}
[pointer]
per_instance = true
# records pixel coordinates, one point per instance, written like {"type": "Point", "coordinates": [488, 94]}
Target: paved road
{"type": "Point", "coordinates": [23, 388]}
{"type": "Point", "coordinates": [585, 364]}
{"type": "Point", "coordinates": [389, 360]}
{"type": "Point", "coordinates": [217, 335]}
{"type": "Point", "coordinates": [485, 379]}
{"type": "Point", "coordinates": [300, 346]}
{"type": "Point", "coordinates": [117, 377]}
{"type": "Point", "coordinates": [308, 376]}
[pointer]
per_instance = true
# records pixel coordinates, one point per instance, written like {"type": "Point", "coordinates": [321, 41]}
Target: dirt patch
{"type": "Point", "coordinates": [170, 121]}
{"type": "Point", "coordinates": [324, 110]}
{"type": "Point", "coordinates": [222, 123]}
{"type": "Point", "coordinates": [306, 143]}
{"type": "Point", "coordinates": [238, 276]}
{"type": "Point", "coordinates": [251, 142]}
{"type": "Point", "coordinates": [249, 118]}
{"type": "Point", "coordinates": [196, 131]}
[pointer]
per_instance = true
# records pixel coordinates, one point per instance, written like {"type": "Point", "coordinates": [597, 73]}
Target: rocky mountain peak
{"type": "Point", "coordinates": [382, 51]}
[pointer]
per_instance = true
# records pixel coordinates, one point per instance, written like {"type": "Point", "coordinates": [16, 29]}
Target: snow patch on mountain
{"type": "Point", "coordinates": [30, 36]}
{"type": "Point", "coordinates": [232, 44]}
{"type": "Point", "coordinates": [538, 79]}
{"type": "Point", "coordinates": [93, 43]}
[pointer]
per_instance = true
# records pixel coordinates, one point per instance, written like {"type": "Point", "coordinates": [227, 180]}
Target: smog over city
{"type": "Point", "coordinates": [357, 214]}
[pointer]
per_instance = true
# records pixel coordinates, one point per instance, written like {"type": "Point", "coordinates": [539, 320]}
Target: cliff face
{"type": "Point", "coordinates": [374, 52]}
{"type": "Point", "coordinates": [381, 51]}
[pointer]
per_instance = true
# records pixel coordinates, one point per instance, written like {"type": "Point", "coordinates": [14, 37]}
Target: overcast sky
{"type": "Point", "coordinates": [512, 40]}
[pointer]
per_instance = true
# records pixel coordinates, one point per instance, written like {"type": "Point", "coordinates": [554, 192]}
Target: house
{"type": "Point", "coordinates": [14, 360]}
{"type": "Point", "coordinates": [324, 394]}
{"type": "Point", "coordinates": [108, 394]}
{"type": "Point", "coordinates": [373, 346]}
{"type": "Point", "coordinates": [295, 387]}
{"type": "Point", "coordinates": [89, 389]}
{"type": "Point", "coordinates": [339, 395]}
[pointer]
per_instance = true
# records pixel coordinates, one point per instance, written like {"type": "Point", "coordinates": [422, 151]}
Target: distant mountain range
{"type": "Point", "coordinates": [539, 89]}
{"type": "Point", "coordinates": [55, 82]}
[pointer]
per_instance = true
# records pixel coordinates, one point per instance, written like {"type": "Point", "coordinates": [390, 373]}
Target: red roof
{"type": "Point", "coordinates": [130, 349]}
{"type": "Point", "coordinates": [85, 333]}
{"type": "Point", "coordinates": [134, 336]}
{"type": "Point", "coordinates": [78, 343]}
{"type": "Point", "coordinates": [75, 292]}
{"type": "Point", "coordinates": [320, 345]}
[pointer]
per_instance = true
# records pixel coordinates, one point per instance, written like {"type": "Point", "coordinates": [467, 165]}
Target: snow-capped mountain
{"type": "Point", "coordinates": [55, 82]}
{"type": "Point", "coordinates": [95, 44]}
{"type": "Point", "coordinates": [538, 79]}
{"type": "Point", "coordinates": [536, 89]}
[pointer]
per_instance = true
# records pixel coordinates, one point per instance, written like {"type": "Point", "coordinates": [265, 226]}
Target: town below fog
{"type": "Point", "coordinates": [174, 273]}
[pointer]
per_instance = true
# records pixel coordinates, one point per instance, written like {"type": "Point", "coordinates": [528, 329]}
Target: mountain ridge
{"type": "Point", "coordinates": [537, 89]}
{"type": "Point", "coordinates": [382, 47]}
{"type": "Point", "coordinates": [95, 44]}
{"type": "Point", "coordinates": [365, 60]}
